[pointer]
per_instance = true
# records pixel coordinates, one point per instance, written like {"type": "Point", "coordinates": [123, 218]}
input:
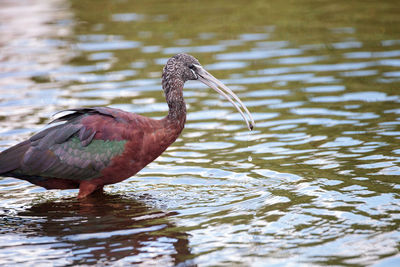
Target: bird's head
{"type": "Point", "coordinates": [183, 67]}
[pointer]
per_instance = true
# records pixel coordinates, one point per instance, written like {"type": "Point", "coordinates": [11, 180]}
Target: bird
{"type": "Point", "coordinates": [90, 147]}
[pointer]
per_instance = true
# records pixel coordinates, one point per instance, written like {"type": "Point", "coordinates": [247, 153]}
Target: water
{"type": "Point", "coordinates": [316, 182]}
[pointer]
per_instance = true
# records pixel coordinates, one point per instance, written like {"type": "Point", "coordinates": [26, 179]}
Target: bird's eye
{"type": "Point", "coordinates": [193, 70]}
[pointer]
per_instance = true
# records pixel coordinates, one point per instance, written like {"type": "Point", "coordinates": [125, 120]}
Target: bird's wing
{"type": "Point", "coordinates": [77, 149]}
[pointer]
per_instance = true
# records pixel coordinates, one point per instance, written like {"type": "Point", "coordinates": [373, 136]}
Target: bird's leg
{"type": "Point", "coordinates": [87, 187]}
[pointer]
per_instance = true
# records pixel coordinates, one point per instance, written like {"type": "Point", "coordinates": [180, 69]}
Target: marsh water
{"type": "Point", "coordinates": [315, 183]}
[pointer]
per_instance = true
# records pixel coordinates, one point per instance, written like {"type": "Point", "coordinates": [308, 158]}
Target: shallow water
{"type": "Point", "coordinates": [316, 182]}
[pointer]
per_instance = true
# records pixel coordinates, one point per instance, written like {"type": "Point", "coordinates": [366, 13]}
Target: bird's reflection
{"type": "Point", "coordinates": [108, 229]}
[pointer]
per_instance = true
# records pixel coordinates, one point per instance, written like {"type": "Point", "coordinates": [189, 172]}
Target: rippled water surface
{"type": "Point", "coordinates": [316, 182]}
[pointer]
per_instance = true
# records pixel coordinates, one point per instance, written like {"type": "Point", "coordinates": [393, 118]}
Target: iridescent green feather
{"type": "Point", "coordinates": [77, 162]}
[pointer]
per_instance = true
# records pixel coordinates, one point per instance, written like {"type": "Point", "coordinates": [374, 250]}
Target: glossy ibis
{"type": "Point", "coordinates": [93, 147]}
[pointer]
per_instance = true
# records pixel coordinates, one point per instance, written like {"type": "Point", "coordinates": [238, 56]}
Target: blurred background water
{"type": "Point", "coordinates": [316, 182]}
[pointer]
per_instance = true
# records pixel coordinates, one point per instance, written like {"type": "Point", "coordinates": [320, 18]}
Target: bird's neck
{"type": "Point", "coordinates": [173, 88]}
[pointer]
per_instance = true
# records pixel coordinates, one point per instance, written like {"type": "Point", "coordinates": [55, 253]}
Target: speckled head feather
{"type": "Point", "coordinates": [178, 70]}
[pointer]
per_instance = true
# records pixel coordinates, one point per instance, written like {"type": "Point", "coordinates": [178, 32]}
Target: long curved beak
{"type": "Point", "coordinates": [209, 80]}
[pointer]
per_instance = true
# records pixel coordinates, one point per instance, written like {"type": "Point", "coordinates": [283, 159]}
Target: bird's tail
{"type": "Point", "coordinates": [11, 158]}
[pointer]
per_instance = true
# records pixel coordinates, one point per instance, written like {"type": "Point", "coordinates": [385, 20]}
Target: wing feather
{"type": "Point", "coordinates": [11, 157]}
{"type": "Point", "coordinates": [69, 150]}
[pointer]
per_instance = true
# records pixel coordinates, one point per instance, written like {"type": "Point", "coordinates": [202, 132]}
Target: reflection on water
{"type": "Point", "coordinates": [97, 230]}
{"type": "Point", "coordinates": [316, 182]}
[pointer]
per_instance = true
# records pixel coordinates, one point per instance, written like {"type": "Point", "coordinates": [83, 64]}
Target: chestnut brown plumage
{"type": "Point", "coordinates": [93, 147]}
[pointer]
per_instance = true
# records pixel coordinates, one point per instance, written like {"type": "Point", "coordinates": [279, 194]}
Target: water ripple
{"type": "Point", "coordinates": [315, 182]}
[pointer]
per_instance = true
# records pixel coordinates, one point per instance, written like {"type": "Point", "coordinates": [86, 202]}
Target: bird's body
{"type": "Point", "coordinates": [93, 147]}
